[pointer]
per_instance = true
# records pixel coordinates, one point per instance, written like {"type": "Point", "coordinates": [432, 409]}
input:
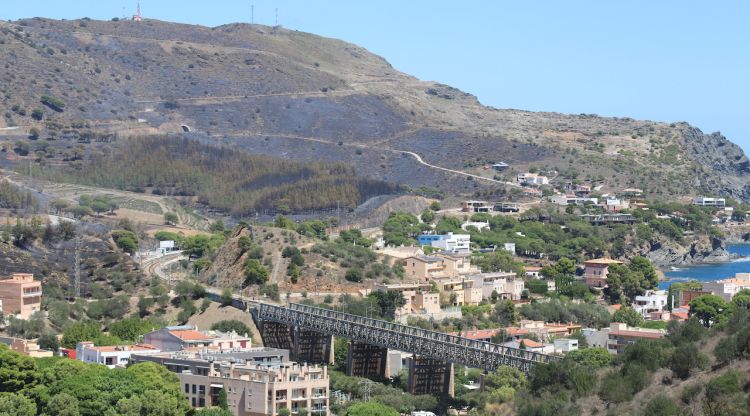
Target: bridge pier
{"type": "Point", "coordinates": [430, 376]}
{"type": "Point", "coordinates": [304, 346]}
{"type": "Point", "coordinates": [365, 360]}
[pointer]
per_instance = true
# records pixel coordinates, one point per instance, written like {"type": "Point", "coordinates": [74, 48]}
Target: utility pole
{"type": "Point", "coordinates": [277, 16]}
{"type": "Point", "coordinates": [77, 282]}
{"type": "Point", "coordinates": [252, 14]}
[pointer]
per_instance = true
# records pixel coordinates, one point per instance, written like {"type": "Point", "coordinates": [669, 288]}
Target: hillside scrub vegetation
{"type": "Point", "coordinates": [220, 177]}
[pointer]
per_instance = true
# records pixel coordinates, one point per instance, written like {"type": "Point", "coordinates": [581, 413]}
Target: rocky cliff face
{"type": "Point", "coordinates": [701, 250]}
{"type": "Point", "coordinates": [725, 165]}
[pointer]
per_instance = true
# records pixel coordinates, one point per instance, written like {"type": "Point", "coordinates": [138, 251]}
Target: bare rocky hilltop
{"type": "Point", "coordinates": [300, 96]}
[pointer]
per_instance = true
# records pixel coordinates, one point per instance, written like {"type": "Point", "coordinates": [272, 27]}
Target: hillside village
{"type": "Point", "coordinates": [214, 252]}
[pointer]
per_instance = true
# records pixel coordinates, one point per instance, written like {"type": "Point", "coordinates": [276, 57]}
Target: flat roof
{"type": "Point", "coordinates": [638, 334]}
{"type": "Point", "coordinates": [602, 261]}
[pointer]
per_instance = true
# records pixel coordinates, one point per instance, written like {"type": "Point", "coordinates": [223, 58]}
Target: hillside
{"type": "Point", "coordinates": [298, 96]}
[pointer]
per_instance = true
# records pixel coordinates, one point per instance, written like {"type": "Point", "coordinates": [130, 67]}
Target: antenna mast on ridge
{"type": "Point", "coordinates": [137, 16]}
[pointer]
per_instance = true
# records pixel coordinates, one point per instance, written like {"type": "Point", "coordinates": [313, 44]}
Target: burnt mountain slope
{"type": "Point", "coordinates": [296, 95]}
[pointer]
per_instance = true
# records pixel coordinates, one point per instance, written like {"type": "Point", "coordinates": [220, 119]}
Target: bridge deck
{"type": "Point", "coordinates": [433, 344]}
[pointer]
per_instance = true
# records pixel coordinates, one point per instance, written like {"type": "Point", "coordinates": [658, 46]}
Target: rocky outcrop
{"type": "Point", "coordinates": [726, 165]}
{"type": "Point", "coordinates": [702, 250]}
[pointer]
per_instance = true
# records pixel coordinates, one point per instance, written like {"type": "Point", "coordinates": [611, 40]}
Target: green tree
{"type": "Point", "coordinates": [226, 297]}
{"type": "Point", "coordinates": [629, 316]}
{"type": "Point", "coordinates": [427, 216]}
{"type": "Point", "coordinates": [388, 302]}
{"type": "Point", "coordinates": [48, 341]}
{"type": "Point", "coordinates": [63, 404]}
{"type": "Point", "coordinates": [685, 358]}
{"type": "Point", "coordinates": [663, 406]}
{"type": "Point", "coordinates": [229, 325]}
{"type": "Point", "coordinates": [80, 331]}
{"type": "Point", "coordinates": [12, 404]}
{"type": "Point", "coordinates": [709, 309]}
{"type": "Point", "coordinates": [17, 372]}
{"type": "Point", "coordinates": [505, 312]}
{"type": "Point", "coordinates": [170, 218]}
{"type": "Point", "coordinates": [255, 272]}
{"type": "Point", "coordinates": [370, 409]}
{"type": "Point", "coordinates": [222, 402]}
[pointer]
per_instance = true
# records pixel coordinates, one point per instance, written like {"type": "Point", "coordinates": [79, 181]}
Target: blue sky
{"type": "Point", "coordinates": [663, 60]}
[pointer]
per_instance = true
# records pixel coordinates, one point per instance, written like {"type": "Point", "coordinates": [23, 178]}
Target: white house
{"type": "Point", "coordinates": [565, 345]}
{"type": "Point", "coordinates": [479, 225]}
{"type": "Point", "coordinates": [166, 246]}
{"type": "Point", "coordinates": [652, 301]}
{"type": "Point", "coordinates": [505, 284]}
{"type": "Point", "coordinates": [111, 356]}
{"type": "Point", "coordinates": [710, 202]}
{"type": "Point", "coordinates": [454, 243]}
{"type": "Point", "coordinates": [532, 179]}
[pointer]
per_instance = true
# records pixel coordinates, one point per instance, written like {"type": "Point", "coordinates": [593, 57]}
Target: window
{"type": "Point", "coordinates": [193, 401]}
{"type": "Point", "coordinates": [201, 402]}
{"type": "Point", "coordinates": [193, 388]}
{"type": "Point", "coordinates": [187, 388]}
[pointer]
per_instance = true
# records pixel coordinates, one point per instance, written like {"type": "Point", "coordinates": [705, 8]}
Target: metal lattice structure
{"type": "Point", "coordinates": [432, 344]}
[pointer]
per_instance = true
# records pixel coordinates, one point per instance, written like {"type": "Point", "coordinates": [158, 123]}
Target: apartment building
{"type": "Point", "coordinates": [461, 291]}
{"type": "Point", "coordinates": [419, 299]}
{"type": "Point", "coordinates": [176, 338]}
{"type": "Point", "coordinates": [257, 382]}
{"type": "Point", "coordinates": [111, 356]}
{"type": "Point", "coordinates": [619, 335]}
{"type": "Point", "coordinates": [503, 283]}
{"type": "Point", "coordinates": [727, 288]}
{"type": "Point", "coordinates": [20, 295]}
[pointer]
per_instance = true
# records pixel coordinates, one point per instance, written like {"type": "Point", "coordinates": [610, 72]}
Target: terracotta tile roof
{"type": "Point", "coordinates": [602, 261]}
{"type": "Point", "coordinates": [616, 306]}
{"type": "Point", "coordinates": [189, 334]}
{"type": "Point", "coordinates": [680, 315]}
{"type": "Point", "coordinates": [513, 331]}
{"type": "Point", "coordinates": [528, 343]}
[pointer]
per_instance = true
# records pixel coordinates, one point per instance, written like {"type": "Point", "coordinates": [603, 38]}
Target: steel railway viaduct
{"type": "Point", "coordinates": [308, 332]}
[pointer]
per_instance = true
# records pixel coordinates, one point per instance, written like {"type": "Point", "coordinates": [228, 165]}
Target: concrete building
{"type": "Point", "coordinates": [727, 288]}
{"type": "Point", "coordinates": [652, 301]}
{"type": "Point", "coordinates": [476, 206]}
{"type": "Point", "coordinates": [176, 338]}
{"type": "Point", "coordinates": [437, 266]}
{"type": "Point", "coordinates": [618, 336]}
{"type": "Point", "coordinates": [255, 382]}
{"type": "Point", "coordinates": [461, 291]}
{"type": "Point", "coordinates": [111, 356]}
{"type": "Point", "coordinates": [20, 295]}
{"type": "Point", "coordinates": [565, 345]}
{"type": "Point", "coordinates": [710, 202]}
{"type": "Point", "coordinates": [532, 179]}
{"type": "Point", "coordinates": [453, 243]}
{"type": "Point", "coordinates": [419, 299]}
{"type": "Point", "coordinates": [503, 283]}
{"type": "Point", "coordinates": [531, 345]}
{"type": "Point", "coordinates": [533, 272]}
{"type": "Point", "coordinates": [595, 271]}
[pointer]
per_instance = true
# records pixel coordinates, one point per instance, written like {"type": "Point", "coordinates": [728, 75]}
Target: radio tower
{"type": "Point", "coordinates": [137, 15]}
